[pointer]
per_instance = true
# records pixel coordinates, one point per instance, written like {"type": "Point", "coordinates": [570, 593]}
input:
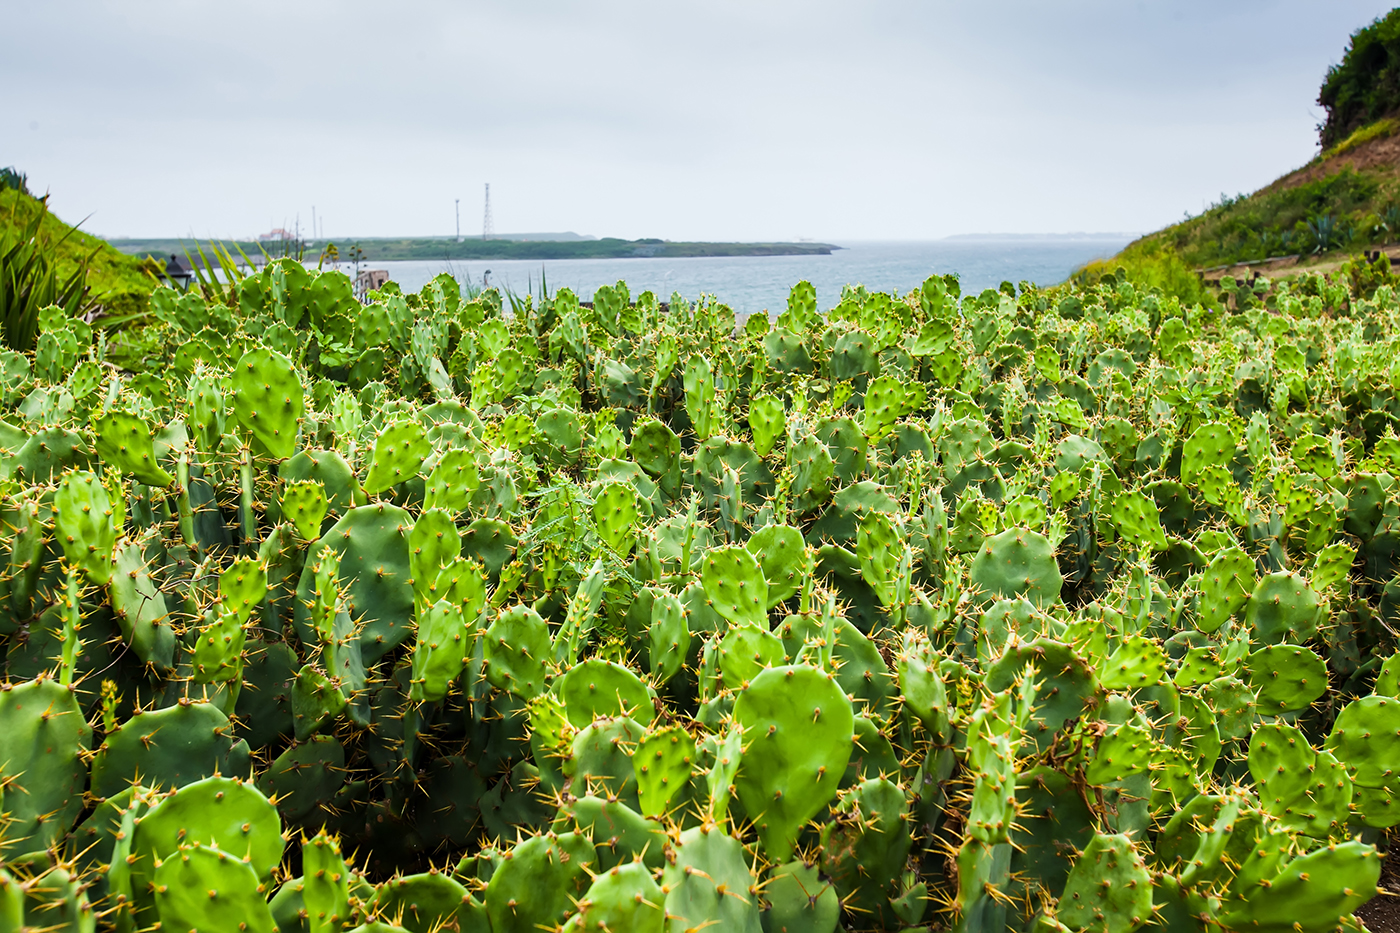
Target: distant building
{"type": "Point", "coordinates": [275, 235]}
{"type": "Point", "coordinates": [369, 280]}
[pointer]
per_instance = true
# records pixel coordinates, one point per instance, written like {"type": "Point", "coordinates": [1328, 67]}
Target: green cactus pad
{"type": "Point", "coordinates": [880, 546]}
{"type": "Point", "coordinates": [204, 888]}
{"type": "Point", "coordinates": [304, 504]}
{"type": "Point", "coordinates": [1366, 737]}
{"type": "Point", "coordinates": [1066, 684]}
{"type": "Point", "coordinates": [305, 777]}
{"type": "Point", "coordinates": [862, 673]}
{"type": "Point", "coordinates": [325, 885]}
{"type": "Point", "coordinates": [668, 636]}
{"type": "Point", "coordinates": [596, 688]}
{"type": "Point", "coordinates": [84, 525]}
{"type": "Point", "coordinates": [708, 883]}
{"type": "Point", "coordinates": [812, 470]}
{"type": "Point", "coordinates": [399, 452]}
{"type": "Point", "coordinates": [43, 740]}
{"type": "Point", "coordinates": [1226, 585]}
{"type": "Point", "coordinates": [164, 748]}
{"type": "Point", "coordinates": [374, 574]}
{"type": "Point", "coordinates": [662, 764]}
{"type": "Point", "coordinates": [539, 884]}
{"type": "Point", "coordinates": [441, 650]}
{"type": "Point", "coordinates": [1122, 750]}
{"type": "Point", "coordinates": [866, 844]}
{"type": "Point", "coordinates": [1307, 791]}
{"type": "Point", "coordinates": [1286, 678]}
{"type": "Point", "coordinates": [1136, 516]}
{"type": "Point", "coordinates": [124, 441]}
{"type": "Point", "coordinates": [516, 647]}
{"type": "Point", "coordinates": [328, 468]}
{"type": "Point", "coordinates": [424, 903]}
{"type": "Point", "coordinates": [140, 609]}
{"type": "Point", "coordinates": [767, 420]}
{"type": "Point", "coordinates": [1138, 662]}
{"type": "Point", "coordinates": [745, 651]}
{"type": "Point", "coordinates": [433, 543]}
{"type": "Point", "coordinates": [725, 753]}
{"type": "Point", "coordinates": [1313, 891]}
{"type": "Point", "coordinates": [622, 898]}
{"type": "Point", "coordinates": [798, 728]}
{"type": "Point", "coordinates": [1283, 608]}
{"type": "Point", "coordinates": [781, 553]}
{"type": "Point", "coordinates": [1017, 562]}
{"type": "Point", "coordinates": [800, 900]}
{"type": "Point", "coordinates": [268, 400]}
{"type": "Point", "coordinates": [214, 810]}
{"type": "Point", "coordinates": [1109, 888]}
{"type": "Point", "coordinates": [490, 541]}
{"type": "Point", "coordinates": [616, 516]}
{"type": "Point", "coordinates": [602, 759]}
{"type": "Point", "coordinates": [735, 585]}
{"type": "Point", "coordinates": [1200, 666]}
{"type": "Point", "coordinates": [920, 683]}
{"type": "Point", "coordinates": [316, 700]}
{"type": "Point", "coordinates": [619, 833]}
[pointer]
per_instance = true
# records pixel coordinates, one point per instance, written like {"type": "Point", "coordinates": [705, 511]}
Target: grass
{"type": "Point", "coordinates": [1151, 264]}
{"type": "Point", "coordinates": [121, 284]}
{"type": "Point", "coordinates": [1378, 130]}
{"type": "Point", "coordinates": [1350, 206]}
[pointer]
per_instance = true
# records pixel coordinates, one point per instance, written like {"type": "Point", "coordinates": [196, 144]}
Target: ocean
{"type": "Point", "coordinates": [754, 284]}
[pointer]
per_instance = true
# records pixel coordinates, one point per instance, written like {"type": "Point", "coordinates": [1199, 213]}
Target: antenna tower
{"type": "Point", "coordinates": [488, 229]}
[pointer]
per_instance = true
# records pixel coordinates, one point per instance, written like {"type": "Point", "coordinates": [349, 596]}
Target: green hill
{"type": "Point", "coordinates": [118, 283]}
{"type": "Point", "coordinates": [1345, 200]}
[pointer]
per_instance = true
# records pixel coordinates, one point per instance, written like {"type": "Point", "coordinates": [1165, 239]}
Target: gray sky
{"type": "Point", "coordinates": [762, 119]}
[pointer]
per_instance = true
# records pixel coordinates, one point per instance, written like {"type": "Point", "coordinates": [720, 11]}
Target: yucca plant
{"type": "Point", "coordinates": [30, 280]}
{"type": "Point", "coordinates": [1324, 231]}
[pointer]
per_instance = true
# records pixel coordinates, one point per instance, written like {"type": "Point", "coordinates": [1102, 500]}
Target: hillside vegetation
{"type": "Point", "coordinates": [118, 283]}
{"type": "Point", "coordinates": [1346, 200]}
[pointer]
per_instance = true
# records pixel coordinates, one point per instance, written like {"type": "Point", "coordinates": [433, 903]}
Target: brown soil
{"type": "Point", "coordinates": [1382, 914]}
{"type": "Point", "coordinates": [1288, 265]}
{"type": "Point", "coordinates": [1376, 154]}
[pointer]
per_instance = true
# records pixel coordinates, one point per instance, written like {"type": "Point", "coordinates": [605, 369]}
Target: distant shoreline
{"type": "Point", "coordinates": [448, 249]}
{"type": "Point", "coordinates": [1094, 237]}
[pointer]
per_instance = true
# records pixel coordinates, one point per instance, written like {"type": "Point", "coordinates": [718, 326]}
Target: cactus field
{"type": "Point", "coordinates": [1038, 610]}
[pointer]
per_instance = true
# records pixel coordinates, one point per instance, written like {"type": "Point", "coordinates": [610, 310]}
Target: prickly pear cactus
{"type": "Point", "coordinates": [1018, 610]}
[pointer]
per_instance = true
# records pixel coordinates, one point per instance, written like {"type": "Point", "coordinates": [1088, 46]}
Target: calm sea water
{"type": "Point", "coordinates": [753, 284]}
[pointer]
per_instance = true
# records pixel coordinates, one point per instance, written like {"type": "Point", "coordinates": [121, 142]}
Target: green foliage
{"type": "Point", "coordinates": [637, 620]}
{"type": "Point", "coordinates": [1365, 85]}
{"type": "Point", "coordinates": [62, 265]}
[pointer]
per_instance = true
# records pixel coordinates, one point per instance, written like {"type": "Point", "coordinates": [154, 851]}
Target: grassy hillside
{"type": "Point", "coordinates": [121, 284]}
{"type": "Point", "coordinates": [1347, 199]}
{"type": "Point", "coordinates": [1344, 201]}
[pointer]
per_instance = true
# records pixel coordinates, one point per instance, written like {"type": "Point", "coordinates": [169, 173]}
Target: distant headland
{"type": "Point", "coordinates": [526, 246]}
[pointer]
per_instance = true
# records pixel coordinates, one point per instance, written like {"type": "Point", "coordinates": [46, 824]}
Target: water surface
{"type": "Point", "coordinates": [752, 284]}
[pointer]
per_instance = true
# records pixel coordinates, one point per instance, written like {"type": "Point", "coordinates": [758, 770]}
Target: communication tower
{"type": "Point", "coordinates": [488, 229]}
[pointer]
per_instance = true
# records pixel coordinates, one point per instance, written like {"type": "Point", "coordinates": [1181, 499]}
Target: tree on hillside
{"type": "Point", "coordinates": [1365, 86]}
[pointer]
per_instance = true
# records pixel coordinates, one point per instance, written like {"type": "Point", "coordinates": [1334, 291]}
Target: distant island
{"type": "Point", "coordinates": [380, 249]}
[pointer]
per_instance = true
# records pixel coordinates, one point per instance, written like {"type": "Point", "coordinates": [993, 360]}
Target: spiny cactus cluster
{"type": "Point", "coordinates": [1065, 610]}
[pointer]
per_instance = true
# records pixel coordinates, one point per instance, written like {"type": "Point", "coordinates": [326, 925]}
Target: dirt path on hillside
{"type": "Point", "coordinates": [1286, 266]}
{"type": "Point", "coordinates": [1377, 154]}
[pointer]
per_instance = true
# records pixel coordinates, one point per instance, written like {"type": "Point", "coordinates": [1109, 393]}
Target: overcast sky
{"type": "Point", "coordinates": [759, 119]}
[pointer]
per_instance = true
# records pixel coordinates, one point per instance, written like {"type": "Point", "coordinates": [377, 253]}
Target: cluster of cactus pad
{"type": "Point", "coordinates": [1033, 610]}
